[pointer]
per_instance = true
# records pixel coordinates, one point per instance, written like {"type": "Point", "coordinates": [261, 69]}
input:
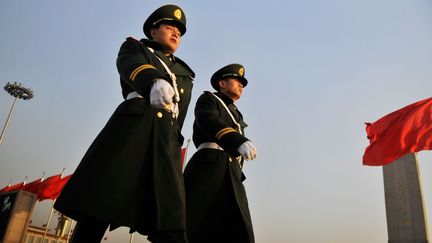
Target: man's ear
{"type": "Point", "coordinates": [222, 84]}
{"type": "Point", "coordinates": [153, 32]}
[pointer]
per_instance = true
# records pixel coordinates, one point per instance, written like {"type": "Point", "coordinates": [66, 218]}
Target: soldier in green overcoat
{"type": "Point", "coordinates": [131, 174]}
{"type": "Point", "coordinates": [217, 207]}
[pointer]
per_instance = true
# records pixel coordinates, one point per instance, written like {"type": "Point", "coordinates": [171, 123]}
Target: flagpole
{"type": "Point", "coordinates": [70, 231]}
{"type": "Point", "coordinates": [52, 211]}
{"type": "Point", "coordinates": [187, 147]}
{"type": "Point", "coordinates": [131, 237]}
{"type": "Point", "coordinates": [49, 220]}
{"type": "Point", "coordinates": [8, 185]}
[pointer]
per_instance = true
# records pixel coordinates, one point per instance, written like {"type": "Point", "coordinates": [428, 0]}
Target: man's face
{"type": "Point", "coordinates": [231, 87]}
{"type": "Point", "coordinates": [168, 36]}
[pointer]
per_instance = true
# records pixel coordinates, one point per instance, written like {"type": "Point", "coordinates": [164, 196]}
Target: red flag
{"type": "Point", "coordinates": [183, 154]}
{"type": "Point", "coordinates": [13, 188]}
{"type": "Point", "coordinates": [4, 189]}
{"type": "Point", "coordinates": [407, 130]}
{"type": "Point", "coordinates": [34, 186]}
{"type": "Point", "coordinates": [53, 187]}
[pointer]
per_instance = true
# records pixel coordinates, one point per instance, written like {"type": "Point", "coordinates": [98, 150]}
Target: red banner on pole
{"type": "Point", "coordinates": [183, 153]}
{"type": "Point", "coordinates": [49, 188]}
{"type": "Point", "coordinates": [13, 187]}
{"type": "Point", "coordinates": [34, 186]}
{"type": "Point", "coordinates": [52, 187]}
{"type": "Point", "coordinates": [407, 130]}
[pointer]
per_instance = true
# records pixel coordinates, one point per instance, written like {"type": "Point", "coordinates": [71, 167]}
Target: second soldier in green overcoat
{"type": "Point", "coordinates": [217, 206]}
{"type": "Point", "coordinates": [131, 174]}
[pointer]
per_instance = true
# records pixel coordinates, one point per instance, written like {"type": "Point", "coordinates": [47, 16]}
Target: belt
{"type": "Point", "coordinates": [132, 95]}
{"type": "Point", "coordinates": [210, 145]}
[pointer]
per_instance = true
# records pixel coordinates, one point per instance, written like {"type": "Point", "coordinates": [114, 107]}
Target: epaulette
{"type": "Point", "coordinates": [133, 40]}
{"type": "Point", "coordinates": [136, 42]}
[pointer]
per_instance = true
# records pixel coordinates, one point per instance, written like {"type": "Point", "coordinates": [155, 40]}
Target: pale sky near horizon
{"type": "Point", "coordinates": [317, 71]}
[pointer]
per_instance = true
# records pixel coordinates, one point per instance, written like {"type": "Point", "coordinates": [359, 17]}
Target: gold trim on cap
{"type": "Point", "coordinates": [230, 74]}
{"type": "Point", "coordinates": [177, 13]}
{"type": "Point", "coordinates": [139, 69]}
{"type": "Point", "coordinates": [162, 19]}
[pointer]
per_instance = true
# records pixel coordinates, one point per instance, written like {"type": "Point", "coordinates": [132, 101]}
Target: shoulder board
{"type": "Point", "coordinates": [208, 95]}
{"type": "Point", "coordinates": [133, 40]}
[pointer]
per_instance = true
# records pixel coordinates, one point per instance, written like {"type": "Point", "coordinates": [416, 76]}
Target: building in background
{"type": "Point", "coordinates": [35, 234]}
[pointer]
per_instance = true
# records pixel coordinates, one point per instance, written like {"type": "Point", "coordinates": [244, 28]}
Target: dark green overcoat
{"type": "Point", "coordinates": [217, 206]}
{"type": "Point", "coordinates": [131, 174]}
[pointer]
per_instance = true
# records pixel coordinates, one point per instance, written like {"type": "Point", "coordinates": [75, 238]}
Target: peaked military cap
{"type": "Point", "coordinates": [171, 14]}
{"type": "Point", "coordinates": [231, 70]}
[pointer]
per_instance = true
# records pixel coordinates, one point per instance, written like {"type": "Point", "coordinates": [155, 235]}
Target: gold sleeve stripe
{"type": "Point", "coordinates": [221, 131]}
{"type": "Point", "coordinates": [139, 69]}
{"type": "Point", "coordinates": [224, 131]}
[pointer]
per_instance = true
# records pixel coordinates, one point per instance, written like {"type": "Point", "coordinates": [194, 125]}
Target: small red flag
{"type": "Point", "coordinates": [407, 130]}
{"type": "Point", "coordinates": [4, 189]}
{"type": "Point", "coordinates": [183, 154]}
{"type": "Point", "coordinates": [13, 187]}
{"type": "Point", "coordinates": [52, 187]}
{"type": "Point", "coordinates": [34, 186]}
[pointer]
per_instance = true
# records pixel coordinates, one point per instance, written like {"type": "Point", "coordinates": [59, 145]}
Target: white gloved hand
{"type": "Point", "coordinates": [161, 94]}
{"type": "Point", "coordinates": [247, 150]}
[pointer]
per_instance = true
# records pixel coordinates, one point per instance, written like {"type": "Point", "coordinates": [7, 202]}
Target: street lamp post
{"type": "Point", "coordinates": [19, 92]}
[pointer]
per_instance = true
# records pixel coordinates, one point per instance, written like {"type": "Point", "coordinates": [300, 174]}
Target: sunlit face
{"type": "Point", "coordinates": [168, 36]}
{"type": "Point", "coordinates": [231, 87]}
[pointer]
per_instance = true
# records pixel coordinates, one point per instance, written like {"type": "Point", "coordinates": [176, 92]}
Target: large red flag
{"type": "Point", "coordinates": [407, 130]}
{"type": "Point", "coordinates": [53, 187]}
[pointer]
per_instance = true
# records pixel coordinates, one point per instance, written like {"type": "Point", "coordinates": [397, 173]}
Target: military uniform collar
{"type": "Point", "coordinates": [157, 47]}
{"type": "Point", "coordinates": [225, 98]}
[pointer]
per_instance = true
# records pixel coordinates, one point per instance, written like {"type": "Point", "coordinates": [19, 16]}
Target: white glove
{"type": "Point", "coordinates": [161, 94]}
{"type": "Point", "coordinates": [247, 150]}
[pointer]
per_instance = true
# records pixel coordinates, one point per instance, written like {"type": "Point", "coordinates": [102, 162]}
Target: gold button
{"type": "Point", "coordinates": [182, 90]}
{"type": "Point", "coordinates": [230, 159]}
{"type": "Point", "coordinates": [159, 114]}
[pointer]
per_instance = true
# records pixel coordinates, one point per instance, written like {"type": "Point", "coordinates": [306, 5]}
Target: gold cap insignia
{"type": "Point", "coordinates": [241, 71]}
{"type": "Point", "coordinates": [178, 14]}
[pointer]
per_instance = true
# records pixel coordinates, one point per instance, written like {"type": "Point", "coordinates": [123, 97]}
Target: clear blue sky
{"type": "Point", "coordinates": [317, 71]}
